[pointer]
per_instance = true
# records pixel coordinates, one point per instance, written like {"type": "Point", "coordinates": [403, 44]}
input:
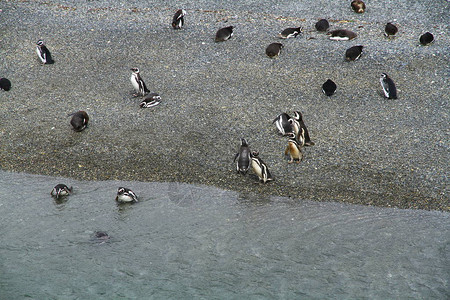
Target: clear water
{"type": "Point", "coordinates": [196, 242]}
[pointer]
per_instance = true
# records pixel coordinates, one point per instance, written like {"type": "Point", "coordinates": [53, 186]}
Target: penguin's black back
{"type": "Point", "coordinates": [5, 84]}
{"type": "Point", "coordinates": [329, 87]}
{"type": "Point", "coordinates": [48, 56]}
{"type": "Point", "coordinates": [322, 25]}
{"type": "Point", "coordinates": [426, 38]}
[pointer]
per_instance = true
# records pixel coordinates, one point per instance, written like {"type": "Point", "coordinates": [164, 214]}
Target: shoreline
{"type": "Point", "coordinates": [369, 150]}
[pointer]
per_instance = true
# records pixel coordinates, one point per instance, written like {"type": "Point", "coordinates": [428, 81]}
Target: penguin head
{"type": "Point", "coordinates": [298, 115]}
{"type": "Point", "coordinates": [40, 43]}
{"type": "Point", "coordinates": [384, 75]}
{"type": "Point", "coordinates": [244, 142]}
{"type": "Point", "coordinates": [255, 153]}
{"type": "Point", "coordinates": [120, 191]}
{"type": "Point", "coordinates": [135, 70]}
{"type": "Point", "coordinates": [290, 135]}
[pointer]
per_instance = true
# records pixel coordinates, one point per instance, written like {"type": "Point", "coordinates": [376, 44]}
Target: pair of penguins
{"type": "Point", "coordinates": [124, 195]}
{"type": "Point", "coordinates": [222, 34]}
{"type": "Point", "coordinates": [294, 128]}
{"type": "Point", "coordinates": [387, 84]}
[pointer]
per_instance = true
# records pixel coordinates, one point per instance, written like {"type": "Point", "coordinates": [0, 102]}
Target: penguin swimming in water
{"type": "Point", "coordinates": [44, 53]}
{"type": "Point", "coordinates": [151, 100]}
{"type": "Point", "coordinates": [329, 87]}
{"type": "Point", "coordinates": [125, 195]}
{"type": "Point", "coordinates": [389, 89]}
{"type": "Point", "coordinates": [5, 84]}
{"type": "Point", "coordinates": [224, 34]}
{"type": "Point", "coordinates": [60, 190]}
{"type": "Point", "coordinates": [243, 157]}
{"type": "Point", "coordinates": [79, 120]}
{"type": "Point", "coordinates": [178, 19]}
{"type": "Point", "coordinates": [426, 38]}
{"type": "Point", "coordinates": [283, 124]}
{"type": "Point", "coordinates": [353, 53]}
{"type": "Point", "coordinates": [260, 167]}
{"type": "Point", "coordinates": [322, 25]}
{"type": "Point", "coordinates": [358, 6]}
{"type": "Point", "coordinates": [290, 32]}
{"type": "Point", "coordinates": [304, 133]}
{"type": "Point", "coordinates": [138, 83]}
{"type": "Point", "coordinates": [274, 49]}
{"type": "Point", "coordinates": [342, 35]}
{"type": "Point", "coordinates": [390, 30]}
{"type": "Point", "coordinates": [293, 149]}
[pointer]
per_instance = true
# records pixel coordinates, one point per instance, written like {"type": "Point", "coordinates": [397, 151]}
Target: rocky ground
{"type": "Point", "coordinates": [369, 150]}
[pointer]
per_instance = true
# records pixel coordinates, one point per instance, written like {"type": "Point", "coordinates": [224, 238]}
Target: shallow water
{"type": "Point", "coordinates": [184, 241]}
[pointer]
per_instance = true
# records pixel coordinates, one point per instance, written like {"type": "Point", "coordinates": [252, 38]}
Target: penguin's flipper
{"type": "Point", "coordinates": [235, 156]}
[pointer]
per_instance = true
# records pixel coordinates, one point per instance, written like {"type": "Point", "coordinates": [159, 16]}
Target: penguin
{"type": "Point", "coordinates": [426, 38]}
{"type": "Point", "coordinates": [283, 124]}
{"type": "Point", "coordinates": [304, 135]}
{"type": "Point", "coordinates": [322, 25]}
{"type": "Point", "coordinates": [293, 149]}
{"type": "Point", "coordinates": [5, 84]}
{"type": "Point", "coordinates": [390, 30]}
{"type": "Point", "coordinates": [224, 34]}
{"type": "Point", "coordinates": [388, 86]}
{"type": "Point", "coordinates": [79, 120]}
{"type": "Point", "coordinates": [243, 157]}
{"type": "Point", "coordinates": [260, 167]}
{"type": "Point", "coordinates": [178, 19]}
{"type": "Point", "coordinates": [61, 190]}
{"type": "Point", "coordinates": [290, 32]}
{"type": "Point", "coordinates": [274, 49]}
{"type": "Point", "coordinates": [151, 100]}
{"type": "Point", "coordinates": [125, 195]}
{"type": "Point", "coordinates": [329, 87]}
{"type": "Point", "coordinates": [43, 53]}
{"type": "Point", "coordinates": [353, 53]}
{"type": "Point", "coordinates": [101, 235]}
{"type": "Point", "coordinates": [298, 131]}
{"type": "Point", "coordinates": [138, 83]}
{"type": "Point", "coordinates": [358, 6]}
{"type": "Point", "coordinates": [342, 35]}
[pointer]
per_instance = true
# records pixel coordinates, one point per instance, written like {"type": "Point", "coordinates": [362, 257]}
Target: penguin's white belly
{"type": "Point", "coordinates": [134, 82]}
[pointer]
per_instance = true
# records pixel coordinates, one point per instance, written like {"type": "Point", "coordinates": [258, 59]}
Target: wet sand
{"type": "Point", "coordinates": [369, 150]}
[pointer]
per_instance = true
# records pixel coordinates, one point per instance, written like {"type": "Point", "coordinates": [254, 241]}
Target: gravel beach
{"type": "Point", "coordinates": [368, 150]}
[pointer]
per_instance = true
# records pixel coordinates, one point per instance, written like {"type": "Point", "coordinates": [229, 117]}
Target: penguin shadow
{"type": "Point", "coordinates": [60, 202]}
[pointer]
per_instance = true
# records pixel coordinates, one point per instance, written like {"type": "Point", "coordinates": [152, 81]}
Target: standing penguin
{"type": "Point", "coordinates": [329, 87]}
{"type": "Point", "coordinates": [138, 83]}
{"type": "Point", "coordinates": [178, 19]}
{"type": "Point", "coordinates": [389, 89]}
{"type": "Point", "coordinates": [322, 25]}
{"type": "Point", "coordinates": [293, 149]}
{"type": "Point", "coordinates": [43, 53]}
{"type": "Point", "coordinates": [5, 84]}
{"type": "Point", "coordinates": [358, 6]}
{"type": "Point", "coordinates": [306, 139]}
{"type": "Point", "coordinates": [243, 157]}
{"type": "Point", "coordinates": [274, 49]}
{"type": "Point", "coordinates": [353, 53]}
{"type": "Point", "coordinates": [283, 124]}
{"type": "Point", "coordinates": [290, 32]}
{"type": "Point", "coordinates": [79, 120]}
{"type": "Point", "coordinates": [390, 30]}
{"type": "Point", "coordinates": [260, 167]}
{"type": "Point", "coordinates": [224, 34]}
